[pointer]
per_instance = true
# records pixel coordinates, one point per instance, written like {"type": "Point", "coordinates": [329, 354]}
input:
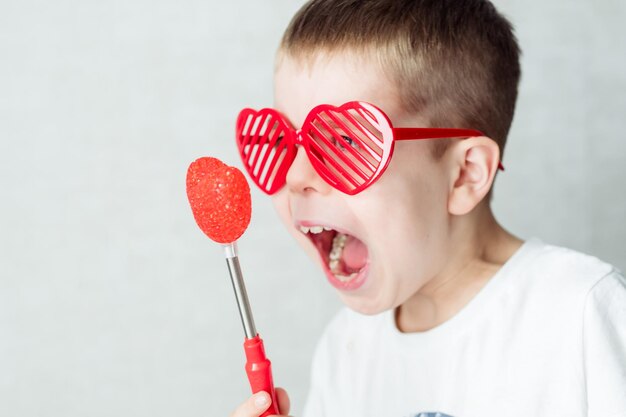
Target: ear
{"type": "Point", "coordinates": [475, 163]}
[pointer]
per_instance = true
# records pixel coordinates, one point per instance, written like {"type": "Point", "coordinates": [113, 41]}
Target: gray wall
{"type": "Point", "coordinates": [111, 300]}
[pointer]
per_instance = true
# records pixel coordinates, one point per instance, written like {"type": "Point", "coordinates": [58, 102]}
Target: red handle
{"type": "Point", "coordinates": [259, 370]}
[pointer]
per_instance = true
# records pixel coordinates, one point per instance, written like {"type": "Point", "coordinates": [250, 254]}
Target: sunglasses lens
{"type": "Point", "coordinates": [264, 146]}
{"type": "Point", "coordinates": [346, 146]}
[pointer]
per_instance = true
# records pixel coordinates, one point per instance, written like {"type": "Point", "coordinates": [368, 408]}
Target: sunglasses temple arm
{"type": "Point", "coordinates": [407, 133]}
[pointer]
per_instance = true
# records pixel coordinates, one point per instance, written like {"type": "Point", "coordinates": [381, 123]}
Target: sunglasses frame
{"type": "Point", "coordinates": [284, 137]}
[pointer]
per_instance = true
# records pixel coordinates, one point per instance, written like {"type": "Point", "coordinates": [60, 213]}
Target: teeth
{"type": "Point", "coordinates": [335, 253]}
{"type": "Point", "coordinates": [314, 229]}
{"type": "Point", "coordinates": [344, 278]}
{"type": "Point", "coordinates": [334, 256]}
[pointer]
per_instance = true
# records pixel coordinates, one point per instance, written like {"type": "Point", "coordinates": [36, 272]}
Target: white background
{"type": "Point", "coordinates": [111, 300]}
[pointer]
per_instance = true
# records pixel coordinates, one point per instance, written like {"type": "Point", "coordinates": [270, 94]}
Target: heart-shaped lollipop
{"type": "Point", "coordinates": [219, 196]}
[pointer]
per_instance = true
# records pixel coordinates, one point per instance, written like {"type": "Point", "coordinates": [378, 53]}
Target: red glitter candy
{"type": "Point", "coordinates": [219, 196]}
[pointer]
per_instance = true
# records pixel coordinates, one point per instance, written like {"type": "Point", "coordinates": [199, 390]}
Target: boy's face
{"type": "Point", "coordinates": [396, 230]}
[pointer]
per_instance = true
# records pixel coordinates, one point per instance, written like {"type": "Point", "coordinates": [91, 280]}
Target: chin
{"type": "Point", "coordinates": [363, 305]}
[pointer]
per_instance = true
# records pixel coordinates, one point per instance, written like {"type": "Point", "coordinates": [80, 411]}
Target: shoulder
{"type": "Point", "coordinates": [605, 308]}
{"type": "Point", "coordinates": [604, 346]}
{"type": "Point", "coordinates": [567, 269]}
{"type": "Point", "coordinates": [607, 297]}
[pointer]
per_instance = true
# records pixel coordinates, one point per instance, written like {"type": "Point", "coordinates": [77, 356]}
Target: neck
{"type": "Point", "coordinates": [479, 248]}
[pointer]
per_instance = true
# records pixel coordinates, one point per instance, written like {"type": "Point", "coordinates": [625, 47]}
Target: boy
{"type": "Point", "coordinates": [448, 313]}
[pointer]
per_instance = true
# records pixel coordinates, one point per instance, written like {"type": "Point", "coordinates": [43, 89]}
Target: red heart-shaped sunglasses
{"type": "Point", "coordinates": [349, 146]}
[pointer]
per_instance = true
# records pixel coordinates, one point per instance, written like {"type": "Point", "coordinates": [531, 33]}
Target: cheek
{"type": "Point", "coordinates": [411, 218]}
{"type": "Point", "coordinates": [421, 184]}
{"type": "Point", "coordinates": [407, 202]}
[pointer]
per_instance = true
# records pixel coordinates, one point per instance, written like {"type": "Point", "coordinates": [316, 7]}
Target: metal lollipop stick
{"type": "Point", "coordinates": [236, 277]}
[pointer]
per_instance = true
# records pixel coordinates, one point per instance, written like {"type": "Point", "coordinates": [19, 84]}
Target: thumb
{"type": "Point", "coordinates": [254, 406]}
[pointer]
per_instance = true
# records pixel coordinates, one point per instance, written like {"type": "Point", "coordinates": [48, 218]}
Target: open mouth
{"type": "Point", "coordinates": [344, 256]}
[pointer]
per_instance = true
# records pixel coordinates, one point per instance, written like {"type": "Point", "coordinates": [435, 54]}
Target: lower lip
{"type": "Point", "coordinates": [352, 285]}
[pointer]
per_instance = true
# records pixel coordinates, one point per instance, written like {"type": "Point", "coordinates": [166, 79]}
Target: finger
{"type": "Point", "coordinates": [283, 401]}
{"type": "Point", "coordinates": [254, 406]}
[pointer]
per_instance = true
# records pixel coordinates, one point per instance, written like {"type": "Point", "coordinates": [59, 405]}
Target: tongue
{"type": "Point", "coordinates": [354, 254]}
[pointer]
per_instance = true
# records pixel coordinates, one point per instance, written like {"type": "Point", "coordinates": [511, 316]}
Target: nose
{"type": "Point", "coordinates": [302, 177]}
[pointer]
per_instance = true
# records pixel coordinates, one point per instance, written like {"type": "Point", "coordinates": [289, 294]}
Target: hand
{"type": "Point", "coordinates": [259, 402]}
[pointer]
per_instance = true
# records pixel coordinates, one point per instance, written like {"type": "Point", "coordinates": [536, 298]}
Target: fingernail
{"type": "Point", "coordinates": [260, 400]}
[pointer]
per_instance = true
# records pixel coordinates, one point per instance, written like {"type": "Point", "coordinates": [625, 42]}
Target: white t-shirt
{"type": "Point", "coordinates": [546, 336]}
